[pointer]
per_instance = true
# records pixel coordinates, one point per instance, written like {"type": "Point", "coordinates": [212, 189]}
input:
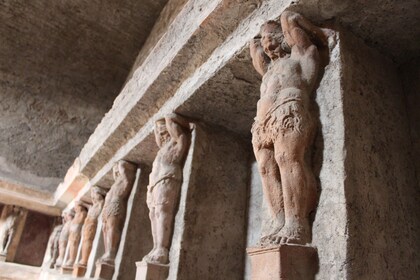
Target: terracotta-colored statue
{"type": "Point", "coordinates": [173, 138]}
{"type": "Point", "coordinates": [91, 222]}
{"type": "Point", "coordinates": [286, 56]}
{"type": "Point", "coordinates": [64, 237]}
{"type": "Point", "coordinates": [75, 232]}
{"type": "Point", "coordinates": [9, 222]}
{"type": "Point", "coordinates": [115, 207]}
{"type": "Point", "coordinates": [53, 243]}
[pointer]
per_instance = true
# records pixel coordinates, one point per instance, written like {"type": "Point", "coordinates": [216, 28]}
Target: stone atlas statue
{"type": "Point", "coordinates": [172, 135]}
{"type": "Point", "coordinates": [9, 223]}
{"type": "Point", "coordinates": [75, 233]}
{"type": "Point", "coordinates": [287, 55]}
{"type": "Point", "coordinates": [53, 243]}
{"type": "Point", "coordinates": [64, 237]}
{"type": "Point", "coordinates": [91, 223]}
{"type": "Point", "coordinates": [115, 208]}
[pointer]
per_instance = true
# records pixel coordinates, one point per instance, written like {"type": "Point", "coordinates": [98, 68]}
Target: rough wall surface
{"type": "Point", "coordinates": [329, 229]}
{"type": "Point", "coordinates": [381, 189]}
{"type": "Point", "coordinates": [410, 74]}
{"type": "Point", "coordinates": [34, 240]}
{"type": "Point", "coordinates": [62, 64]}
{"type": "Point", "coordinates": [214, 222]}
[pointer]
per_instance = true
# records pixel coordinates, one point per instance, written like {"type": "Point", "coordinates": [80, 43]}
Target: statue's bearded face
{"type": "Point", "coordinates": [271, 40]}
{"type": "Point", "coordinates": [161, 134]}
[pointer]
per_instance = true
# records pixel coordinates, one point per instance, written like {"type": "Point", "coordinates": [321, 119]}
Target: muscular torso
{"type": "Point", "coordinates": [287, 79]}
{"type": "Point", "coordinates": [167, 164]}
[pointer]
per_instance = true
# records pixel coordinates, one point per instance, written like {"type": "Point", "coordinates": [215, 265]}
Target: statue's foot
{"type": "Point", "coordinates": [292, 234]}
{"type": "Point", "coordinates": [107, 259]}
{"type": "Point", "coordinates": [158, 255]}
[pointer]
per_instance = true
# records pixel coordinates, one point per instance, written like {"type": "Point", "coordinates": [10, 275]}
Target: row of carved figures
{"type": "Point", "coordinates": [288, 56]}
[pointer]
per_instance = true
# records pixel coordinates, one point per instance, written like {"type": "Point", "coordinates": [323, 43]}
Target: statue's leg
{"type": "Point", "coordinates": [299, 189]}
{"type": "Point", "coordinates": [272, 187]}
{"type": "Point", "coordinates": [115, 226]}
{"type": "Point", "coordinates": [167, 198]}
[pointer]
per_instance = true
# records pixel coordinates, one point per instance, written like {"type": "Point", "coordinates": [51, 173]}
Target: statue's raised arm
{"type": "Point", "coordinates": [259, 59]}
{"type": "Point", "coordinates": [177, 126]}
{"type": "Point", "coordinates": [298, 31]}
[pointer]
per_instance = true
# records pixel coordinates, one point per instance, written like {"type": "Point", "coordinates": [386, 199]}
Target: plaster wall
{"type": "Point", "coordinates": [381, 188]}
{"type": "Point", "coordinates": [34, 239]}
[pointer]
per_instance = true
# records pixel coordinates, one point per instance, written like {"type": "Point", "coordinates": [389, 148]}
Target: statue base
{"type": "Point", "coordinates": [3, 258]}
{"type": "Point", "coordinates": [79, 270]}
{"type": "Point", "coordinates": [285, 262]}
{"type": "Point", "coordinates": [151, 271]}
{"type": "Point", "coordinates": [66, 270]}
{"type": "Point", "coordinates": [104, 271]}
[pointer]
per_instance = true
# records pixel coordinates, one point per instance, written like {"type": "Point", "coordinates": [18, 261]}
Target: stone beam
{"type": "Point", "coordinates": [228, 64]}
{"type": "Point", "coordinates": [197, 31]}
{"type": "Point", "coordinates": [28, 198]}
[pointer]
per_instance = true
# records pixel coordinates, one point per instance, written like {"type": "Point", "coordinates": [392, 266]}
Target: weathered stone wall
{"type": "Point", "coordinates": [381, 189]}
{"type": "Point", "coordinates": [410, 73]}
{"type": "Point", "coordinates": [212, 214]}
{"type": "Point", "coordinates": [34, 239]}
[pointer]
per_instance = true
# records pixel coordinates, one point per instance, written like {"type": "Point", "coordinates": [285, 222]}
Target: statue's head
{"type": "Point", "coordinates": [120, 168]}
{"type": "Point", "coordinates": [79, 207]}
{"type": "Point", "coordinates": [97, 194]}
{"type": "Point", "coordinates": [272, 40]}
{"type": "Point", "coordinates": [68, 215]}
{"type": "Point", "coordinates": [161, 133]}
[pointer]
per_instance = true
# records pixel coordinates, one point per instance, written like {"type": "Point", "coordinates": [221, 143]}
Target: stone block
{"type": "Point", "coordinates": [104, 271]}
{"type": "Point", "coordinates": [2, 258]}
{"type": "Point", "coordinates": [285, 262]}
{"type": "Point", "coordinates": [66, 270]}
{"type": "Point", "coordinates": [151, 271]}
{"type": "Point", "coordinates": [79, 270]}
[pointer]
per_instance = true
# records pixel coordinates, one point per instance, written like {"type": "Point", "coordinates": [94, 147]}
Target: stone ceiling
{"type": "Point", "coordinates": [62, 63]}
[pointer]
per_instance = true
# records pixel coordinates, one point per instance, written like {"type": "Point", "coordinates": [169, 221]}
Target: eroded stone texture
{"type": "Point", "coordinates": [173, 138]}
{"type": "Point", "coordinates": [114, 210]}
{"type": "Point", "coordinates": [287, 56]}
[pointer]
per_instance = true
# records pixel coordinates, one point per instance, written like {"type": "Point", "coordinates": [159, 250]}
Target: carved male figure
{"type": "Point", "coordinates": [75, 232]}
{"type": "Point", "coordinates": [91, 222]}
{"type": "Point", "coordinates": [64, 237]}
{"type": "Point", "coordinates": [9, 222]}
{"type": "Point", "coordinates": [286, 56]}
{"type": "Point", "coordinates": [115, 207]}
{"type": "Point", "coordinates": [53, 243]}
{"type": "Point", "coordinates": [173, 138]}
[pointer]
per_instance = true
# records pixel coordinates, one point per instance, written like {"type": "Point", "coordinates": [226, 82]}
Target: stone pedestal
{"type": "Point", "coordinates": [66, 270]}
{"type": "Point", "coordinates": [79, 270]}
{"type": "Point", "coordinates": [2, 258]}
{"type": "Point", "coordinates": [285, 262]}
{"type": "Point", "coordinates": [151, 271]}
{"type": "Point", "coordinates": [104, 271]}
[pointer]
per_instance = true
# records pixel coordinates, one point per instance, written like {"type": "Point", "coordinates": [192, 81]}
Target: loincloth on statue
{"type": "Point", "coordinates": [158, 193]}
{"type": "Point", "coordinates": [286, 117]}
{"type": "Point", "coordinates": [112, 208]}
